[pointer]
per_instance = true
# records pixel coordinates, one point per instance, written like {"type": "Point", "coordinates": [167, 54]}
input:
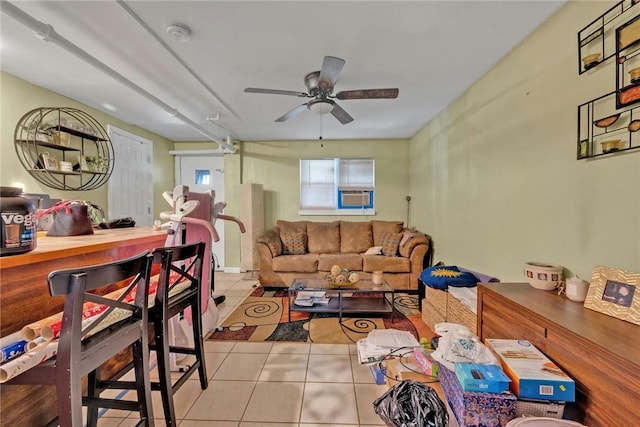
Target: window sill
{"type": "Point", "coordinates": [339, 212]}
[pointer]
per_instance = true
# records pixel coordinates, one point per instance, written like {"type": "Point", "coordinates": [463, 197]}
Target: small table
{"type": "Point", "coordinates": [344, 299]}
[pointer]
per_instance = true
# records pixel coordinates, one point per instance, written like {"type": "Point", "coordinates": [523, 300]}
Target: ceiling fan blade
{"type": "Point", "coordinates": [368, 94]}
{"type": "Point", "coordinates": [276, 92]}
{"type": "Point", "coordinates": [291, 113]}
{"type": "Point", "coordinates": [331, 69]}
{"type": "Point", "coordinates": [342, 116]}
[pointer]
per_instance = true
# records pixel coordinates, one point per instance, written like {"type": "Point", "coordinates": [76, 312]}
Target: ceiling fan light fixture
{"type": "Point", "coordinates": [321, 106]}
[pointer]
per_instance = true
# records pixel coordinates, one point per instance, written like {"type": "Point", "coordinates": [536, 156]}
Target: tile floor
{"type": "Point", "coordinates": [269, 384]}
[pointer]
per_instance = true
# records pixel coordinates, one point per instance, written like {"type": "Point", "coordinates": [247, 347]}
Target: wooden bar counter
{"type": "Point", "coordinates": [24, 298]}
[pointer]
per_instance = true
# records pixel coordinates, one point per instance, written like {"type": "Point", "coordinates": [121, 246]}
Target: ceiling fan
{"type": "Point", "coordinates": [320, 86]}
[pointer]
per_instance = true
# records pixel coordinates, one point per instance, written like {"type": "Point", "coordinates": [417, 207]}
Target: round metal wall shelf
{"type": "Point", "coordinates": [64, 148]}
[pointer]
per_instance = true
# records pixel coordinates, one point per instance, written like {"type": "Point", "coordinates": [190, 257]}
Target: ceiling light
{"type": "Point", "coordinates": [179, 32]}
{"type": "Point", "coordinates": [320, 106]}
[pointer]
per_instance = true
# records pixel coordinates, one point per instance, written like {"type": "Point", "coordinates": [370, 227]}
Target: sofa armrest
{"type": "Point", "coordinates": [412, 242]}
{"type": "Point", "coordinates": [270, 241]}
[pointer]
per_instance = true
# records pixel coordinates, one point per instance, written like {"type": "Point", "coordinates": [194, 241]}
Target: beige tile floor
{"type": "Point", "coordinates": [270, 384]}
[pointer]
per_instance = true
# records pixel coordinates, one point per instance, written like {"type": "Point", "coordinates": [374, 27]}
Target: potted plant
{"type": "Point", "coordinates": [97, 163]}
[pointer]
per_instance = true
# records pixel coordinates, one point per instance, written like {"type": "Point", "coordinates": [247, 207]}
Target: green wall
{"type": "Point", "coordinates": [18, 97]}
{"type": "Point", "coordinates": [495, 178]}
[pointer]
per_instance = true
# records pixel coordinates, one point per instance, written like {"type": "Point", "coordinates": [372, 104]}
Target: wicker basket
{"type": "Point", "coordinates": [437, 299]}
{"type": "Point", "coordinates": [539, 409]}
{"type": "Point", "coordinates": [459, 313]}
{"type": "Point", "coordinates": [430, 315]}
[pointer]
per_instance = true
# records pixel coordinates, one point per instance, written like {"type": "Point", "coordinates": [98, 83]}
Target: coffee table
{"type": "Point", "coordinates": [350, 298]}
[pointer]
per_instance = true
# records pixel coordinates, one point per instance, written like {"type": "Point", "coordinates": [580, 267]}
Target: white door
{"type": "Point", "coordinates": [131, 183]}
{"type": "Point", "coordinates": [202, 173]}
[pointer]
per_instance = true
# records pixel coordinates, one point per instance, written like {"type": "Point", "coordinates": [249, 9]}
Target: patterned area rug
{"type": "Point", "coordinates": [263, 316]}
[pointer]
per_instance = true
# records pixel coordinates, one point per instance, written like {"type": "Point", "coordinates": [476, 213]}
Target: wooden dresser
{"type": "Point", "coordinates": [601, 353]}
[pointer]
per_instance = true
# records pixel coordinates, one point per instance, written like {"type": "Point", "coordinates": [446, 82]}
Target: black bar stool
{"type": "Point", "coordinates": [84, 345]}
{"type": "Point", "coordinates": [179, 287]}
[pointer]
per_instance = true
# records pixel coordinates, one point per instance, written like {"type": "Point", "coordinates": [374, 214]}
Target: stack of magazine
{"type": "Point", "coordinates": [308, 299]}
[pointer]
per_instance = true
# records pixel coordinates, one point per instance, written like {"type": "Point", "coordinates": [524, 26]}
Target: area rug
{"type": "Point", "coordinates": [263, 316]}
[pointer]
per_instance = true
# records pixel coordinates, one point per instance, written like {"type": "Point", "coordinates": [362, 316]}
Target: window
{"type": "Point", "coordinates": [337, 186]}
{"type": "Point", "coordinates": [203, 177]}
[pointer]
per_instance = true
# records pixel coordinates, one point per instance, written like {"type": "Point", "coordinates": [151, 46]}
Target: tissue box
{"type": "Point", "coordinates": [476, 409]}
{"type": "Point", "coordinates": [475, 377]}
{"type": "Point", "coordinates": [533, 375]}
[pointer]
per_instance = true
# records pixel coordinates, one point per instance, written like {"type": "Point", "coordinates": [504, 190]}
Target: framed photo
{"type": "Point", "coordinates": [615, 293]}
{"type": "Point", "coordinates": [48, 161]}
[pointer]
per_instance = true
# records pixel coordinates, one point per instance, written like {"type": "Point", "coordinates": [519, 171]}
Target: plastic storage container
{"type": "Point", "coordinates": [18, 226]}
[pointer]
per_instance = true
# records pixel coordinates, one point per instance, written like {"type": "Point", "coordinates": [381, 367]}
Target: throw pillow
{"type": "Point", "coordinates": [390, 242]}
{"type": "Point", "coordinates": [374, 250]}
{"type": "Point", "coordinates": [443, 276]}
{"type": "Point", "coordinates": [379, 227]}
{"type": "Point", "coordinates": [293, 242]}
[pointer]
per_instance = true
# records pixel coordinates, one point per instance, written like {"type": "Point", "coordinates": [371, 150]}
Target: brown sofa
{"type": "Point", "coordinates": [309, 249]}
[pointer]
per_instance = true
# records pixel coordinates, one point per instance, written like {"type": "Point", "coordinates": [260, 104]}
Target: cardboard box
{"type": "Point", "coordinates": [533, 375]}
{"type": "Point", "coordinates": [405, 368]}
{"type": "Point", "coordinates": [475, 377]}
{"type": "Point", "coordinates": [476, 409]}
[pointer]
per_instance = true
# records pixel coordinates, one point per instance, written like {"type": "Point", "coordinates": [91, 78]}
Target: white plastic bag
{"type": "Point", "coordinates": [458, 345]}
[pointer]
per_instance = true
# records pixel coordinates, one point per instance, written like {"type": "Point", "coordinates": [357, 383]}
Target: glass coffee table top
{"type": "Point", "coordinates": [315, 284]}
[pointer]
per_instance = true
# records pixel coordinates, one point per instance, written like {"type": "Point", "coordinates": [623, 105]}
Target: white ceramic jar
{"type": "Point", "coordinates": [576, 289]}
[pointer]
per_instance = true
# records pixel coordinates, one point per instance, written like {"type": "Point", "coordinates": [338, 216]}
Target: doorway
{"type": "Point", "coordinates": [201, 173]}
{"type": "Point", "coordinates": [130, 188]}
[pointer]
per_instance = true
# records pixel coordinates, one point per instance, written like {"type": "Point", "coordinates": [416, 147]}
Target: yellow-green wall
{"type": "Point", "coordinates": [18, 97]}
{"type": "Point", "coordinates": [275, 165]}
{"type": "Point", "coordinates": [495, 178]}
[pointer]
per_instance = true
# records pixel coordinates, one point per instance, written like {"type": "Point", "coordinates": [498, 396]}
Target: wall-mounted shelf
{"type": "Point", "coordinates": [46, 136]}
{"type": "Point", "coordinates": [600, 121]}
{"type": "Point", "coordinates": [599, 36]}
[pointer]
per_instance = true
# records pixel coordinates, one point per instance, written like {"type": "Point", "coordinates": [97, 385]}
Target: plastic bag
{"type": "Point", "coordinates": [458, 345]}
{"type": "Point", "coordinates": [411, 404]}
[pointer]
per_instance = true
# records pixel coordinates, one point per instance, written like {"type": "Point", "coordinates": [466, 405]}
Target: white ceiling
{"type": "Point", "coordinates": [431, 50]}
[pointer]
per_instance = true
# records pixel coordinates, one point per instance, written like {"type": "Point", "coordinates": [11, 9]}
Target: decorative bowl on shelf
{"type": "Point", "coordinates": [607, 121]}
{"type": "Point", "coordinates": [543, 276]}
{"type": "Point", "coordinates": [634, 74]}
{"type": "Point", "coordinates": [611, 145]}
{"type": "Point", "coordinates": [591, 61]}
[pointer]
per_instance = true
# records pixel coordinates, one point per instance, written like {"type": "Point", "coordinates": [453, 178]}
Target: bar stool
{"type": "Point", "coordinates": [179, 287]}
{"type": "Point", "coordinates": [85, 345]}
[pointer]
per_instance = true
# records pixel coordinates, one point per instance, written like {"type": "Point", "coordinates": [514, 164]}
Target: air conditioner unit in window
{"type": "Point", "coordinates": [354, 199]}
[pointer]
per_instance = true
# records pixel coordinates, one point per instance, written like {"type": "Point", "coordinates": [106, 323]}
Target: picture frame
{"type": "Point", "coordinates": [616, 293]}
{"type": "Point", "coordinates": [48, 161]}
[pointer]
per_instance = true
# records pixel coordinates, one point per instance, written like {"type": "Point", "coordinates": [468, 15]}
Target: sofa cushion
{"type": "Point", "coordinates": [271, 238]}
{"type": "Point", "coordinates": [379, 227]}
{"type": "Point", "coordinates": [390, 242]}
{"type": "Point", "coordinates": [291, 226]}
{"type": "Point", "coordinates": [323, 237]}
{"type": "Point", "coordinates": [355, 237]}
{"type": "Point", "coordinates": [293, 242]}
{"type": "Point", "coordinates": [307, 263]}
{"type": "Point", "coordinates": [351, 261]}
{"type": "Point", "coordinates": [386, 264]}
